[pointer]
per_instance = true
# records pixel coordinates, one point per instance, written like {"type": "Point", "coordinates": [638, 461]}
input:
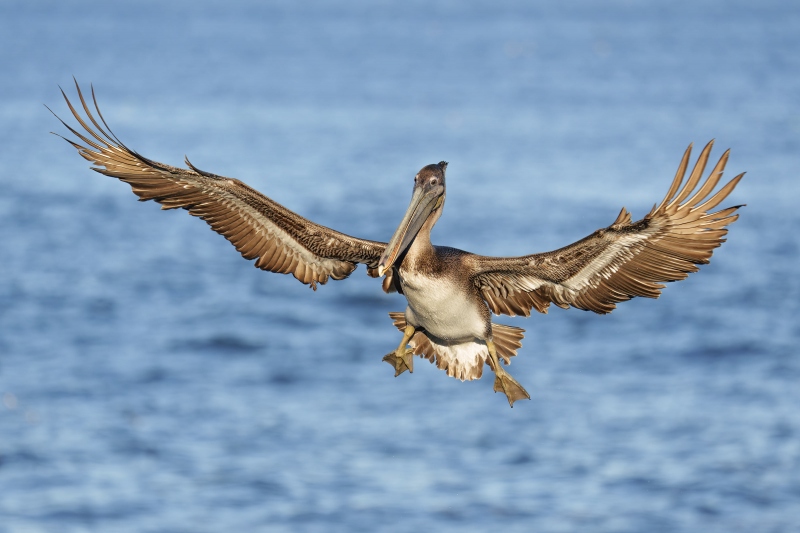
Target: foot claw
{"type": "Point", "coordinates": [401, 361]}
{"type": "Point", "coordinates": [503, 382]}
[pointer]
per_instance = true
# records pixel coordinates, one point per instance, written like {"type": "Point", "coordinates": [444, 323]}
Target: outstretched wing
{"type": "Point", "coordinates": [624, 260]}
{"type": "Point", "coordinates": [260, 228]}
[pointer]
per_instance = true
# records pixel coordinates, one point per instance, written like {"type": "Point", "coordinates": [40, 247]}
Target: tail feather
{"type": "Point", "coordinates": [507, 340]}
{"type": "Point", "coordinates": [462, 361]}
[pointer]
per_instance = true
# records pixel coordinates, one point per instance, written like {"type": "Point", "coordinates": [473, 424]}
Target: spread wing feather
{"type": "Point", "coordinates": [624, 260]}
{"type": "Point", "coordinates": [260, 228]}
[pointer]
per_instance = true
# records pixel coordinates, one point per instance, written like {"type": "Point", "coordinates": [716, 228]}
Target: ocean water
{"type": "Point", "coordinates": [153, 381]}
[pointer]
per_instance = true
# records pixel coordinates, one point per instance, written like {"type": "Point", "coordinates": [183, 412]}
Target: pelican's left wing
{"type": "Point", "coordinates": [624, 260]}
{"type": "Point", "coordinates": [260, 228]}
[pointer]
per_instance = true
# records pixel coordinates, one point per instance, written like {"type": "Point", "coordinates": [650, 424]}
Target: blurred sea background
{"type": "Point", "coordinates": [153, 381]}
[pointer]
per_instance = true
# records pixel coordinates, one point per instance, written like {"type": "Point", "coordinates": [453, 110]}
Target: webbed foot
{"type": "Point", "coordinates": [401, 359]}
{"type": "Point", "coordinates": [503, 382]}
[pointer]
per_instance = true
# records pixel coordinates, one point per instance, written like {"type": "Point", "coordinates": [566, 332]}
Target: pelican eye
{"type": "Point", "coordinates": [434, 181]}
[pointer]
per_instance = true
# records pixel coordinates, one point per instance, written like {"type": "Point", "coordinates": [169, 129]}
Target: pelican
{"type": "Point", "coordinates": [451, 293]}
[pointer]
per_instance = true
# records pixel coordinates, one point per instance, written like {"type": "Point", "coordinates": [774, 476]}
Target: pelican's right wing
{"type": "Point", "coordinates": [260, 228]}
{"type": "Point", "coordinates": [624, 260]}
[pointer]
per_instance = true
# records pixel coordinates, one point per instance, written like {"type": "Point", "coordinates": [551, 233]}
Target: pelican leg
{"type": "Point", "coordinates": [503, 382]}
{"type": "Point", "coordinates": [402, 358]}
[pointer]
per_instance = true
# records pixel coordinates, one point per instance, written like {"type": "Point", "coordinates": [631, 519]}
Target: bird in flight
{"type": "Point", "coordinates": [451, 293]}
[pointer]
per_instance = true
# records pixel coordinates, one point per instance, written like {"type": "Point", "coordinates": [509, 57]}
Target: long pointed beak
{"type": "Point", "coordinates": [422, 205]}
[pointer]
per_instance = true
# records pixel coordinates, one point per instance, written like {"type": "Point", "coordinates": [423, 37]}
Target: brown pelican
{"type": "Point", "coordinates": [451, 294]}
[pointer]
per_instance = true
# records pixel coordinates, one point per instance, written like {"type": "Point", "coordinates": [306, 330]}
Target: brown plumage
{"type": "Point", "coordinates": [450, 292]}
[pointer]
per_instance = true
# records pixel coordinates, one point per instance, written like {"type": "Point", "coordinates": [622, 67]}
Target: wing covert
{"type": "Point", "coordinates": [624, 260]}
{"type": "Point", "coordinates": [260, 228]}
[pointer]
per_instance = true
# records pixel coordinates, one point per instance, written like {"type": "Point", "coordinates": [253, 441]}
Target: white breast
{"type": "Point", "coordinates": [442, 308]}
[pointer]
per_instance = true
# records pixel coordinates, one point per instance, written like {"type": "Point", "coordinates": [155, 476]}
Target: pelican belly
{"type": "Point", "coordinates": [453, 323]}
{"type": "Point", "coordinates": [444, 309]}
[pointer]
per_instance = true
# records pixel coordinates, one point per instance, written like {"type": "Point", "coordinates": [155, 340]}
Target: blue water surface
{"type": "Point", "coordinates": [153, 381]}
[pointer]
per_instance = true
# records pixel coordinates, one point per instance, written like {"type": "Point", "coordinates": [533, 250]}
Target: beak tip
{"type": "Point", "coordinates": [381, 270]}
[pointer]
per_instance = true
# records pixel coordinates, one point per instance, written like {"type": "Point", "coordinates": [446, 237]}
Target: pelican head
{"type": "Point", "coordinates": [426, 204]}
